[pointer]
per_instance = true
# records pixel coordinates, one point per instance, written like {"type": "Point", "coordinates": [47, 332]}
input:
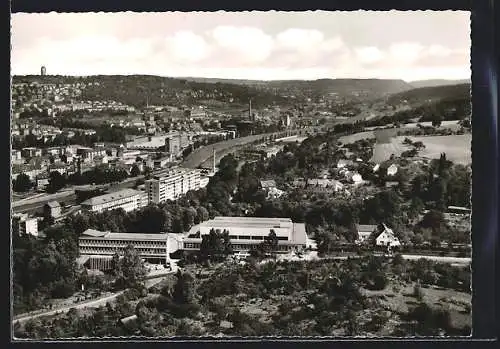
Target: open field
{"type": "Point", "coordinates": [399, 299]}
{"type": "Point", "coordinates": [371, 132]}
{"type": "Point", "coordinates": [456, 147]}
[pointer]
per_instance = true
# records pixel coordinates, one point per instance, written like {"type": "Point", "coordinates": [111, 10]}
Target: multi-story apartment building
{"type": "Point", "coordinates": [127, 199]}
{"type": "Point", "coordinates": [246, 233]}
{"type": "Point", "coordinates": [88, 154]}
{"type": "Point", "coordinates": [171, 184]}
{"type": "Point", "coordinates": [24, 224]}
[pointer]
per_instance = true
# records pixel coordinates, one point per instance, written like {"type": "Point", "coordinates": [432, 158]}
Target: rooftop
{"type": "Point", "coordinates": [102, 199]}
{"type": "Point", "coordinates": [53, 204]}
{"type": "Point", "coordinates": [256, 222]}
{"type": "Point", "coordinates": [366, 227]}
{"type": "Point", "coordinates": [124, 236]}
{"type": "Point", "coordinates": [268, 183]}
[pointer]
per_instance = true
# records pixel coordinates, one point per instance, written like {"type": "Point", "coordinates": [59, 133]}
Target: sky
{"type": "Point", "coordinates": [408, 45]}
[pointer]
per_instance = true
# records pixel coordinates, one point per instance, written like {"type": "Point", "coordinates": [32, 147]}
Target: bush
{"type": "Point", "coordinates": [418, 293]}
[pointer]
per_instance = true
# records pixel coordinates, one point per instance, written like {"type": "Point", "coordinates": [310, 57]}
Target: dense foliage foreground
{"type": "Point", "coordinates": [372, 296]}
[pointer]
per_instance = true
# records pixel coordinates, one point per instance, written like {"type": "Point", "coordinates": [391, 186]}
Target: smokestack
{"type": "Point", "coordinates": [250, 109]}
{"type": "Point", "coordinates": [213, 160]}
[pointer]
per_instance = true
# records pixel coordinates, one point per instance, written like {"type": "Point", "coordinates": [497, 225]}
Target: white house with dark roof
{"type": "Point", "coordinates": [386, 237]}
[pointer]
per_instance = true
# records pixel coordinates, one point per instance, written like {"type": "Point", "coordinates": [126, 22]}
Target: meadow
{"type": "Point", "coordinates": [456, 147]}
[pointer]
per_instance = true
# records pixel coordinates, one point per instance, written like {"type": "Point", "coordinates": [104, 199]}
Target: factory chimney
{"type": "Point", "coordinates": [213, 160]}
{"type": "Point", "coordinates": [250, 109]}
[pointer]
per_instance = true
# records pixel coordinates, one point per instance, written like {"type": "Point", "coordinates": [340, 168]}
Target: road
{"type": "Point", "coordinates": [94, 303]}
{"type": "Point", "coordinates": [440, 259]}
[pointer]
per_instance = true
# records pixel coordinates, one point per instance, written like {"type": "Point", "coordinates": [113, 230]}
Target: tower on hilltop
{"type": "Point", "coordinates": [43, 71]}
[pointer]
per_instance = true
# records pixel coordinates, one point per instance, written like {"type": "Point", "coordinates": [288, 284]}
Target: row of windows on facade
{"type": "Point", "coordinates": [122, 243]}
{"type": "Point", "coordinates": [252, 237]}
{"type": "Point", "coordinates": [118, 203]}
{"type": "Point", "coordinates": [85, 249]}
{"type": "Point", "coordinates": [240, 247]}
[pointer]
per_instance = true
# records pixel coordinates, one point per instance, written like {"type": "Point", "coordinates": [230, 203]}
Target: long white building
{"type": "Point", "coordinates": [127, 199]}
{"type": "Point", "coordinates": [171, 184]}
{"type": "Point", "coordinates": [97, 248]}
{"type": "Point", "coordinates": [246, 233]}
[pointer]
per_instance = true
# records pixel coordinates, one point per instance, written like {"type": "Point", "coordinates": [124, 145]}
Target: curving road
{"type": "Point", "coordinates": [94, 303]}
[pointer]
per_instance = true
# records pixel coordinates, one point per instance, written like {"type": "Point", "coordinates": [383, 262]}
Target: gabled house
{"type": "Point", "coordinates": [386, 237]}
{"type": "Point", "coordinates": [380, 235]}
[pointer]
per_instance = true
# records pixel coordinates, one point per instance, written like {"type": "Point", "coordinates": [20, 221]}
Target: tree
{"type": "Point", "coordinates": [434, 220]}
{"type": "Point", "coordinates": [270, 244]}
{"type": "Point", "coordinates": [184, 289]}
{"type": "Point", "coordinates": [22, 183]}
{"type": "Point", "coordinates": [419, 145]}
{"type": "Point", "coordinates": [437, 122]}
{"type": "Point", "coordinates": [215, 245]}
{"type": "Point", "coordinates": [188, 218]}
{"type": "Point", "coordinates": [132, 268]}
{"type": "Point", "coordinates": [135, 171]}
{"type": "Point", "coordinates": [416, 207]}
{"type": "Point", "coordinates": [201, 214]}
{"type": "Point", "coordinates": [56, 182]}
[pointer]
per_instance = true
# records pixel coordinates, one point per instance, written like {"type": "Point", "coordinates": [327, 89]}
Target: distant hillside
{"type": "Point", "coordinates": [432, 94]}
{"type": "Point", "coordinates": [371, 88]}
{"type": "Point", "coordinates": [226, 81]}
{"type": "Point", "coordinates": [436, 82]}
{"type": "Point", "coordinates": [137, 90]}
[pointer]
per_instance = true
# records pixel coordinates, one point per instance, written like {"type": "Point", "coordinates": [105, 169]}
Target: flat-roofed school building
{"type": "Point", "coordinates": [97, 247]}
{"type": "Point", "coordinates": [246, 233]}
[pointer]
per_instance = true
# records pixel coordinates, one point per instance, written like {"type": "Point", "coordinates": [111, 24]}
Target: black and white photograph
{"type": "Point", "coordinates": [240, 174]}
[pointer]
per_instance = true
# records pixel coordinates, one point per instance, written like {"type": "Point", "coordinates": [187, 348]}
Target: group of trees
{"type": "Point", "coordinates": [318, 298]}
{"type": "Point", "coordinates": [22, 183]}
{"type": "Point", "coordinates": [43, 268]}
{"type": "Point", "coordinates": [128, 270]}
{"type": "Point", "coordinates": [445, 184]}
{"type": "Point", "coordinates": [46, 268]}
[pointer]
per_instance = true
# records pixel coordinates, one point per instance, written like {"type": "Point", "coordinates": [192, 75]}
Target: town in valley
{"type": "Point", "coordinates": [153, 206]}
